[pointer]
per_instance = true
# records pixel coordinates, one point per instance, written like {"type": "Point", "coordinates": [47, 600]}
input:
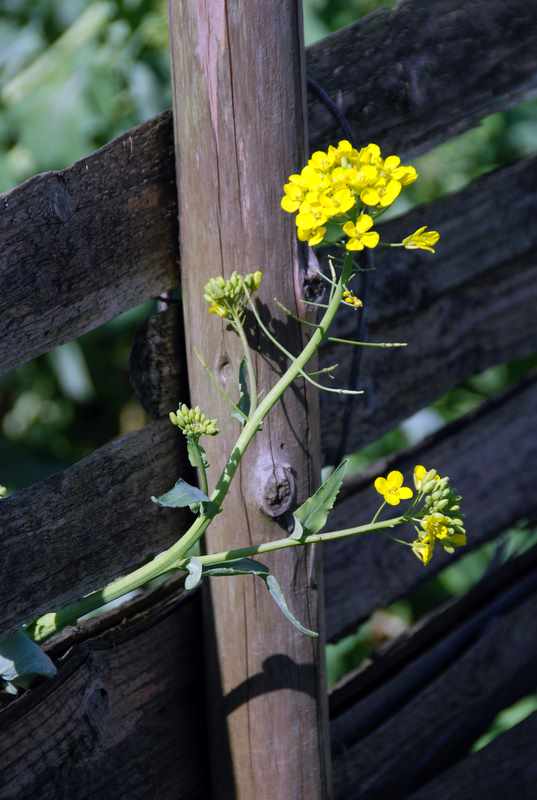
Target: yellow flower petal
{"type": "Point", "coordinates": [371, 239]}
{"type": "Point", "coordinates": [381, 485]}
{"type": "Point", "coordinates": [363, 223]}
{"type": "Point", "coordinates": [395, 479]}
{"type": "Point", "coordinates": [289, 205]}
{"type": "Point", "coordinates": [392, 497]}
{"type": "Point", "coordinates": [405, 493]}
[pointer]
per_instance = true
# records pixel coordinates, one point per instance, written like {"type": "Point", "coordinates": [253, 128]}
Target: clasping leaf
{"type": "Point", "coordinates": [311, 516]}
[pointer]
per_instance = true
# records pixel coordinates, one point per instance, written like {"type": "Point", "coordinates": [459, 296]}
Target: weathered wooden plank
{"type": "Point", "coordinates": [82, 245]}
{"type": "Point", "coordinates": [124, 718]}
{"type": "Point", "coordinates": [79, 529]}
{"type": "Point", "coordinates": [411, 77]}
{"type": "Point", "coordinates": [462, 616]}
{"type": "Point", "coordinates": [492, 462]}
{"type": "Point", "coordinates": [435, 726]}
{"type": "Point", "coordinates": [234, 63]}
{"type": "Point", "coordinates": [464, 331]}
{"type": "Point", "coordinates": [505, 768]}
{"type": "Point", "coordinates": [157, 366]}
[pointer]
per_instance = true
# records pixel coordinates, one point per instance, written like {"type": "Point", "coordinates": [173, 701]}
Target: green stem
{"type": "Point", "coordinates": [377, 515]}
{"type": "Point", "coordinates": [281, 544]}
{"type": "Point", "coordinates": [199, 464]}
{"type": "Point", "coordinates": [366, 344]}
{"type": "Point", "coordinates": [252, 382]}
{"type": "Point", "coordinates": [48, 624]}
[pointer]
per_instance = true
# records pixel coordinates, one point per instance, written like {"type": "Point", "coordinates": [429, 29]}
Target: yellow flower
{"type": "Point", "coordinates": [351, 299]}
{"type": "Point", "coordinates": [420, 473]}
{"type": "Point", "coordinates": [382, 194]}
{"type": "Point", "coordinates": [359, 234]}
{"type": "Point", "coordinates": [449, 531]}
{"type": "Point", "coordinates": [422, 239]}
{"type": "Point", "coordinates": [392, 489]}
{"type": "Point", "coordinates": [423, 548]}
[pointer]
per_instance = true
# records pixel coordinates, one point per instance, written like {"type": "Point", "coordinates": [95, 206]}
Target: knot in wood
{"type": "Point", "coordinates": [277, 491]}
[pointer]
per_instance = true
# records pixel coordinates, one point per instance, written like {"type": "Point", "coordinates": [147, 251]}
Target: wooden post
{"type": "Point", "coordinates": [239, 115]}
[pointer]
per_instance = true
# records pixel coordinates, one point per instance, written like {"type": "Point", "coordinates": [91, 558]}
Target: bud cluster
{"type": "Point", "coordinates": [193, 422]}
{"type": "Point", "coordinates": [439, 520]}
{"type": "Point", "coordinates": [227, 298]}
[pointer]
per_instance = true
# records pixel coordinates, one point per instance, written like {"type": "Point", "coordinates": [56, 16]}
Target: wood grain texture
{"type": "Point", "coordinates": [433, 634]}
{"type": "Point", "coordinates": [437, 724]}
{"type": "Point", "coordinates": [74, 532]}
{"type": "Point", "coordinates": [505, 768]}
{"type": "Point", "coordinates": [81, 245]}
{"type": "Point", "coordinates": [411, 77]}
{"type": "Point", "coordinates": [157, 366]}
{"type": "Point", "coordinates": [467, 308]}
{"type": "Point", "coordinates": [481, 452]}
{"type": "Point", "coordinates": [123, 720]}
{"type": "Point", "coordinates": [239, 124]}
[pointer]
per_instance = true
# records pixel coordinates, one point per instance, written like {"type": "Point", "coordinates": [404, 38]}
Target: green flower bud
{"type": "Point", "coordinates": [193, 422]}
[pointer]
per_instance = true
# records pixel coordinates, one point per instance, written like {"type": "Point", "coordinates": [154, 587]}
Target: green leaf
{"type": "Point", "coordinates": [242, 409]}
{"type": "Point", "coordinates": [181, 495]}
{"type": "Point", "coordinates": [311, 516]}
{"type": "Point", "coordinates": [194, 568]}
{"type": "Point", "coordinates": [21, 660]}
{"type": "Point", "coordinates": [277, 595]}
{"type": "Point", "coordinates": [242, 566]}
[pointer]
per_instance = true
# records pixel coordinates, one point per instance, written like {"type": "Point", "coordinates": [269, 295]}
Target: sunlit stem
{"type": "Point", "coordinates": [366, 344]}
{"type": "Point", "coordinates": [199, 464]}
{"type": "Point", "coordinates": [294, 316]}
{"type": "Point", "coordinates": [49, 624]}
{"type": "Point", "coordinates": [281, 544]}
{"type": "Point", "coordinates": [324, 370]}
{"type": "Point", "coordinates": [291, 357]}
{"type": "Point", "coordinates": [378, 513]}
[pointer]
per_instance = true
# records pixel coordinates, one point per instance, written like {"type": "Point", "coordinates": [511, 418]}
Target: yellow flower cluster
{"type": "Point", "coordinates": [340, 180]}
{"type": "Point", "coordinates": [351, 299]}
{"type": "Point", "coordinates": [193, 422]}
{"type": "Point", "coordinates": [439, 523]}
{"type": "Point", "coordinates": [435, 509]}
{"type": "Point", "coordinates": [227, 298]}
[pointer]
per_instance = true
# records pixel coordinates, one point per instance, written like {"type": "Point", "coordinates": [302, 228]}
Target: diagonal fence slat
{"type": "Point", "coordinates": [124, 717]}
{"type": "Point", "coordinates": [82, 245]}
{"type": "Point", "coordinates": [505, 768]}
{"type": "Point", "coordinates": [435, 726]}
{"type": "Point", "coordinates": [492, 462]}
{"type": "Point", "coordinates": [469, 307]}
{"type": "Point", "coordinates": [74, 532]}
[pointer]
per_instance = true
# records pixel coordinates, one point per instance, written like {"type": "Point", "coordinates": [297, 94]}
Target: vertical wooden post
{"type": "Point", "coordinates": [239, 112]}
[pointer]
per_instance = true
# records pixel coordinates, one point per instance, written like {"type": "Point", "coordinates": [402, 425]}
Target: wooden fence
{"type": "Point", "coordinates": [125, 717]}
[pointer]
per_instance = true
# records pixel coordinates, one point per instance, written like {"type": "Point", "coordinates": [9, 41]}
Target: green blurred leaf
{"type": "Point", "coordinates": [22, 660]}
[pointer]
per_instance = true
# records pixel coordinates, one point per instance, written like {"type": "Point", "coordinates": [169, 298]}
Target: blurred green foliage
{"type": "Point", "coordinates": [74, 74]}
